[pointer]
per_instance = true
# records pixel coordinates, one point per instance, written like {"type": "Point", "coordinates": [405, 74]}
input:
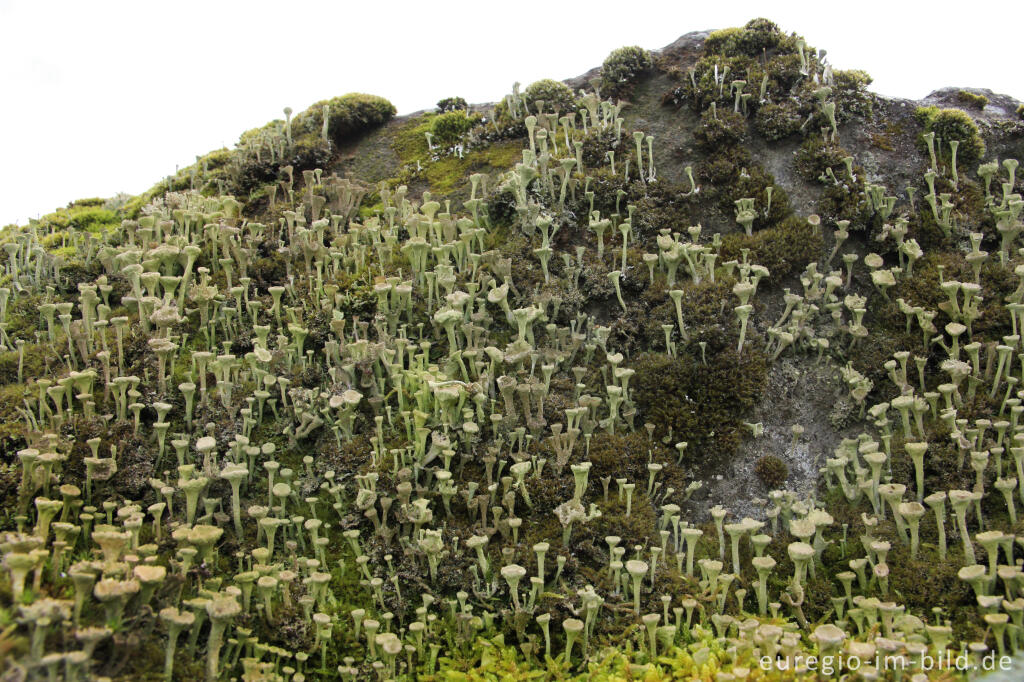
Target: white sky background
{"type": "Point", "coordinates": [105, 97]}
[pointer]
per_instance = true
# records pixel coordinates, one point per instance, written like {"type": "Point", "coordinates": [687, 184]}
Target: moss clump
{"type": "Point", "coordinates": [666, 205]}
{"type": "Point", "coordinates": [850, 92]}
{"type": "Point", "coordinates": [622, 455]}
{"type": "Point", "coordinates": [720, 128]}
{"type": "Point", "coordinates": [730, 172]}
{"type": "Point", "coordinates": [886, 139]}
{"type": "Point", "coordinates": [702, 404]}
{"type": "Point", "coordinates": [556, 96]}
{"type": "Point", "coordinates": [252, 171]}
{"type": "Point", "coordinates": [349, 115]}
{"type": "Point", "coordinates": [621, 69]}
{"type": "Point", "coordinates": [784, 249]}
{"type": "Point", "coordinates": [1020, 112]}
{"type": "Point", "coordinates": [450, 126]}
{"type": "Point", "coordinates": [452, 104]}
{"type": "Point", "coordinates": [772, 471]}
{"type": "Point", "coordinates": [972, 99]}
{"type": "Point", "coordinates": [776, 122]}
{"type": "Point", "coordinates": [757, 36]}
{"type": "Point", "coordinates": [707, 320]}
{"type": "Point", "coordinates": [815, 156]}
{"type": "Point", "coordinates": [948, 125]}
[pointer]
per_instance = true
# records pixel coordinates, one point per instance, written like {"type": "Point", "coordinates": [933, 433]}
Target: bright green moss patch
{"type": "Point", "coordinates": [952, 124]}
{"type": "Point", "coordinates": [972, 99]}
{"type": "Point", "coordinates": [410, 140]}
{"type": "Point", "coordinates": [87, 215]}
{"type": "Point", "coordinates": [450, 173]}
{"type": "Point", "coordinates": [446, 172]}
{"type": "Point", "coordinates": [450, 126]}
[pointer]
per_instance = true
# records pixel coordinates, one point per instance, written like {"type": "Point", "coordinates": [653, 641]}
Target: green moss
{"type": "Point", "coordinates": [450, 126]}
{"type": "Point", "coordinates": [703, 404]}
{"type": "Point", "coordinates": [410, 141]}
{"type": "Point", "coordinates": [622, 455]}
{"type": "Point", "coordinates": [12, 426]}
{"type": "Point", "coordinates": [815, 155]}
{"type": "Point", "coordinates": [887, 138]}
{"type": "Point", "coordinates": [1020, 112]}
{"type": "Point", "coordinates": [776, 122]}
{"type": "Point", "coordinates": [665, 205]}
{"type": "Point", "coordinates": [621, 69]}
{"type": "Point", "coordinates": [952, 124]}
{"type": "Point", "coordinates": [557, 96]}
{"type": "Point", "coordinates": [843, 195]}
{"type": "Point", "coordinates": [971, 99]}
{"type": "Point", "coordinates": [720, 128]}
{"type": "Point", "coordinates": [785, 249]}
{"type": "Point", "coordinates": [707, 318]}
{"type": "Point", "coordinates": [452, 104]}
{"type": "Point", "coordinates": [923, 288]}
{"type": "Point", "coordinates": [757, 36]}
{"type": "Point", "coordinates": [772, 471]}
{"type": "Point", "coordinates": [723, 41]}
{"type": "Point", "coordinates": [87, 215]}
{"type": "Point", "coordinates": [350, 115]}
{"type": "Point", "coordinates": [850, 92]}
{"type": "Point", "coordinates": [730, 173]}
{"type": "Point", "coordinates": [638, 528]}
{"type": "Point", "coordinates": [448, 172]}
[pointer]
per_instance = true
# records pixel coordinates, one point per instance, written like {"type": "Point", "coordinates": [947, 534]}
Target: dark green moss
{"type": "Point", "coordinates": [772, 471]}
{"type": "Point", "coordinates": [249, 172]}
{"type": "Point", "coordinates": [452, 104]}
{"type": "Point", "coordinates": [703, 404]}
{"type": "Point", "coordinates": [623, 455]}
{"type": "Point", "coordinates": [666, 205]}
{"type": "Point", "coordinates": [815, 155]}
{"type": "Point", "coordinates": [776, 122]}
{"type": "Point", "coordinates": [708, 319]}
{"type": "Point", "coordinates": [850, 92]}
{"type": "Point", "coordinates": [785, 249]}
{"type": "Point", "coordinates": [636, 529]}
{"type": "Point", "coordinates": [720, 128]}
